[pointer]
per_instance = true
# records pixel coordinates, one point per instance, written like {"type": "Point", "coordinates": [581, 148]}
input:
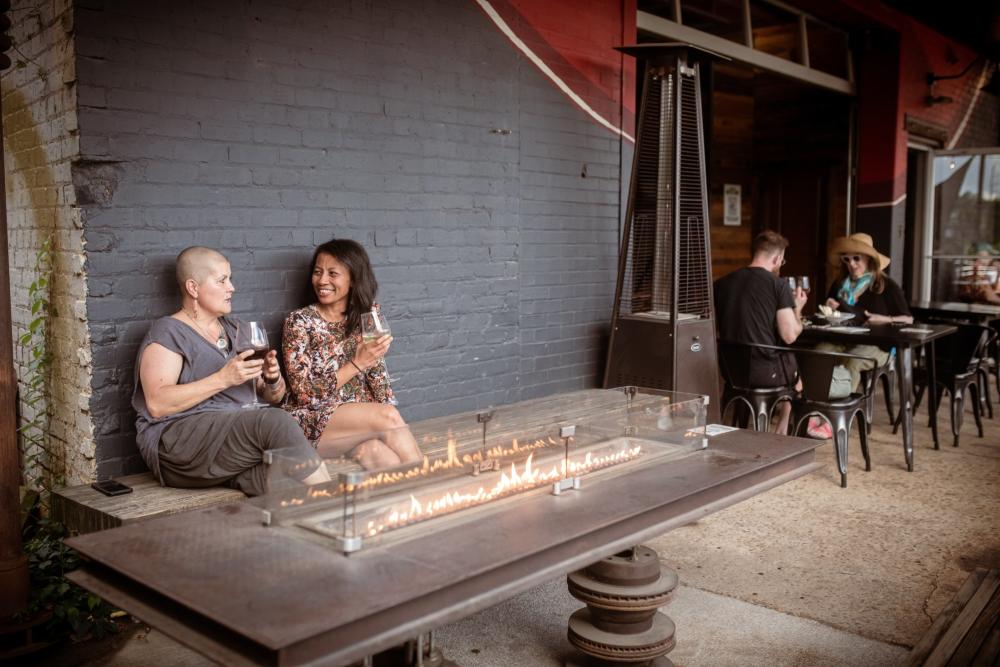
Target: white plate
{"type": "Point", "coordinates": [836, 317]}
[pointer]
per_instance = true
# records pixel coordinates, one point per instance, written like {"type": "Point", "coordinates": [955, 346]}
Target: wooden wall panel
{"type": "Point", "coordinates": [731, 161]}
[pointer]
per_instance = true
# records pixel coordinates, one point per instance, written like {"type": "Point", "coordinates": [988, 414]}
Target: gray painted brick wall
{"type": "Point", "coordinates": [262, 130]}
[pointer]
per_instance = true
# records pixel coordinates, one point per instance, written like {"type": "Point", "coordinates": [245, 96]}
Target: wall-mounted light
{"type": "Point", "coordinates": [933, 78]}
{"type": "Point", "coordinates": [993, 85]}
{"type": "Point", "coordinates": [931, 100]}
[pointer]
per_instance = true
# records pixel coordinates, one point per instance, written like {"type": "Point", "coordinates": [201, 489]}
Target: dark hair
{"type": "Point", "coordinates": [768, 243]}
{"type": "Point", "coordinates": [874, 267]}
{"type": "Point", "coordinates": [361, 295]}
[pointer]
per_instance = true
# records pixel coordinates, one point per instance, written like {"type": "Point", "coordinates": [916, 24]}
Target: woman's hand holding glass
{"type": "Point", "coordinates": [375, 339]}
{"type": "Point", "coordinates": [370, 351]}
{"type": "Point", "coordinates": [241, 368]}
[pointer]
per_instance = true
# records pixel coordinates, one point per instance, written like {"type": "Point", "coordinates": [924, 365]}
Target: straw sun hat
{"type": "Point", "coordinates": [857, 244]}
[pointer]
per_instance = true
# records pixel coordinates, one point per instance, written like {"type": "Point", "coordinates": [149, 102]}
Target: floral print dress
{"type": "Point", "coordinates": [313, 350]}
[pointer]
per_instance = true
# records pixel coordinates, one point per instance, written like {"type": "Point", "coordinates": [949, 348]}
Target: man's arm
{"type": "Point", "coordinates": [160, 368]}
{"type": "Point", "coordinates": [789, 326]}
{"type": "Point", "coordinates": [789, 320]}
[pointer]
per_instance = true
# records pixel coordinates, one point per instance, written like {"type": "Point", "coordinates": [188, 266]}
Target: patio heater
{"type": "Point", "coordinates": [662, 328]}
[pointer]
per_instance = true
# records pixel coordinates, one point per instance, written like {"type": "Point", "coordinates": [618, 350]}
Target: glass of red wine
{"type": "Point", "coordinates": [252, 336]}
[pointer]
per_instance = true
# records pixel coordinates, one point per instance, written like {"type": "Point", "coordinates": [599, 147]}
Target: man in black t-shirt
{"type": "Point", "coordinates": [754, 305]}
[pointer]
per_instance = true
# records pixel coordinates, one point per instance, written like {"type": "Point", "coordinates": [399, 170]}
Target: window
{"type": "Point", "coordinates": [965, 256]}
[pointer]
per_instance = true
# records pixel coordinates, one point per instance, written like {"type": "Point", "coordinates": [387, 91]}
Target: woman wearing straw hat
{"type": "Point", "coordinates": [862, 288]}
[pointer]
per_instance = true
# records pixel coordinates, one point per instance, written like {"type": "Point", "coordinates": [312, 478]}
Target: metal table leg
{"type": "Point", "coordinates": [906, 401]}
{"type": "Point", "coordinates": [932, 395]}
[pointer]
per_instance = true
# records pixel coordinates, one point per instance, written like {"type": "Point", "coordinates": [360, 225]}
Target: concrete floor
{"type": "Point", "coordinates": [806, 574]}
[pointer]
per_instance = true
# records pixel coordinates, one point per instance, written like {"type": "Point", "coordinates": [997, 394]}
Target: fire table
{"type": "Point", "coordinates": [505, 500]}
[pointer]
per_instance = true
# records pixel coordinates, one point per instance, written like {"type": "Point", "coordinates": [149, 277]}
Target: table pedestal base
{"type": "Point", "coordinates": [419, 652]}
{"type": "Point", "coordinates": [585, 661]}
{"type": "Point", "coordinates": [621, 624]}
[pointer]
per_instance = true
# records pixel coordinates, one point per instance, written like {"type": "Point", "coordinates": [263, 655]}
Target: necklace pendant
{"type": "Point", "coordinates": [222, 344]}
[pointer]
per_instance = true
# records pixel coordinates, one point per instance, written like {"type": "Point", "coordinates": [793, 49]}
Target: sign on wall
{"type": "Point", "coordinates": [731, 204]}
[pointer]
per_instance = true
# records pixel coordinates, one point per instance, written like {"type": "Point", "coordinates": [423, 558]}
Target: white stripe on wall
{"type": "Point", "coordinates": [972, 105]}
{"type": "Point", "coordinates": [540, 64]}
{"type": "Point", "coordinates": [896, 201]}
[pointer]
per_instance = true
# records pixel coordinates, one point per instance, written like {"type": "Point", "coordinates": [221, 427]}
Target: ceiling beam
{"type": "Point", "coordinates": [676, 32]}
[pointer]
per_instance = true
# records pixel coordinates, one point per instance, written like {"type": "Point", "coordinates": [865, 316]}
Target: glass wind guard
{"type": "Point", "coordinates": [471, 461]}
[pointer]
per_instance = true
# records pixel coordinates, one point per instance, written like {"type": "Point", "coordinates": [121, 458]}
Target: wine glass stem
{"type": "Point", "coordinates": [253, 385]}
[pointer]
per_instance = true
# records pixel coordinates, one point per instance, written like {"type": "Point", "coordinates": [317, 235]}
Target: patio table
{"type": "Point", "coordinates": [905, 338]}
{"type": "Point", "coordinates": [240, 592]}
{"type": "Point", "coordinates": [979, 313]}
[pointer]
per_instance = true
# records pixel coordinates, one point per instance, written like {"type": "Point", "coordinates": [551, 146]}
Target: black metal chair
{"type": "Point", "coordinates": [735, 361]}
{"type": "Point", "coordinates": [994, 357]}
{"type": "Point", "coordinates": [887, 374]}
{"type": "Point", "coordinates": [958, 369]}
{"type": "Point", "coordinates": [816, 371]}
{"type": "Point", "coordinates": [984, 367]}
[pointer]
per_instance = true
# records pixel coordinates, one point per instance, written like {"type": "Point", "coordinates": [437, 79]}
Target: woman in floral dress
{"type": "Point", "coordinates": [339, 388]}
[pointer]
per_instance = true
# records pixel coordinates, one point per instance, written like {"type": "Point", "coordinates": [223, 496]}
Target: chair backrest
{"type": "Point", "coordinates": [956, 353]}
{"type": "Point", "coordinates": [816, 371]}
{"type": "Point", "coordinates": [734, 363]}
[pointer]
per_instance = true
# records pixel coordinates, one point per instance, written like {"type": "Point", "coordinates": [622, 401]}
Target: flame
{"type": "Point", "coordinates": [514, 481]}
{"type": "Point", "coordinates": [424, 468]}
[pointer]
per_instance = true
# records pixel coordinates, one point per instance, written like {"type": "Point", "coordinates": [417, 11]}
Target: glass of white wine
{"type": "Point", "coordinates": [374, 326]}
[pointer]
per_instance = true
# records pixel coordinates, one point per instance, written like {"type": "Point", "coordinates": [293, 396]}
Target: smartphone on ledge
{"type": "Point", "coordinates": [110, 487]}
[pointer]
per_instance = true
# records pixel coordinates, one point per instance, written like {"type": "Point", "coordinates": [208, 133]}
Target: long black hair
{"type": "Point", "coordinates": [364, 287]}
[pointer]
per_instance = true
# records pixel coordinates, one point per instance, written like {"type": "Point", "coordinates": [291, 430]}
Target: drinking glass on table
{"type": "Point", "coordinates": [374, 326]}
{"type": "Point", "coordinates": [252, 336]}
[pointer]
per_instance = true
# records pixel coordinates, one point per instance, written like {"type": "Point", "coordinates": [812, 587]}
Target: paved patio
{"type": "Point", "coordinates": [806, 574]}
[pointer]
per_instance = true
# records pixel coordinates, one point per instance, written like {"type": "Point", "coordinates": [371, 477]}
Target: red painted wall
{"type": "Point", "coordinates": [893, 84]}
{"type": "Point", "coordinates": [576, 40]}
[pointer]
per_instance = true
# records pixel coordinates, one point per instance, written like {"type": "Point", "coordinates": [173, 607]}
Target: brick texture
{"type": "Point", "coordinates": [488, 202]}
{"type": "Point", "coordinates": [40, 144]}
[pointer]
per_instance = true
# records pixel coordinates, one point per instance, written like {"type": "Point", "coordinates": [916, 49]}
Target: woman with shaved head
{"type": "Point", "coordinates": [190, 385]}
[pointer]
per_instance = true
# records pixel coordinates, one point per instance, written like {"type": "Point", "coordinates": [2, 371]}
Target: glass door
{"type": "Point", "coordinates": [962, 260]}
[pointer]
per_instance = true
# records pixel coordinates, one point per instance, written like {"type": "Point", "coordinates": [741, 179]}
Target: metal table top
{"type": "Point", "coordinates": [957, 309]}
{"type": "Point", "coordinates": [883, 335]}
{"type": "Point", "coordinates": [244, 593]}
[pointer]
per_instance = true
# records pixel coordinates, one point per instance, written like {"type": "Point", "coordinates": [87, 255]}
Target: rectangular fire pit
{"type": "Point", "coordinates": [240, 591]}
{"type": "Point", "coordinates": [474, 460]}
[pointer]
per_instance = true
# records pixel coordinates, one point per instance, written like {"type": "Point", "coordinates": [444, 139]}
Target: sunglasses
{"type": "Point", "coordinates": [847, 259]}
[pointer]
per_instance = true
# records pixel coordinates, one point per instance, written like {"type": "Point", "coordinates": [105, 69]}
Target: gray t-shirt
{"type": "Point", "coordinates": [200, 359]}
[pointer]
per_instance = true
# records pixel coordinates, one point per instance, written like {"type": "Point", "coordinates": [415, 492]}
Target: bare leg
{"type": "Point", "coordinates": [359, 419]}
{"type": "Point", "coordinates": [318, 476]}
{"type": "Point", "coordinates": [374, 454]}
{"type": "Point", "coordinates": [785, 411]}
